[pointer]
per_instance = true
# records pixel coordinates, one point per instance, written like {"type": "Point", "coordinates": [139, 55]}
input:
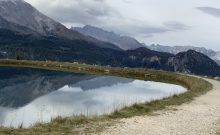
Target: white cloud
{"type": "Point", "coordinates": [168, 22]}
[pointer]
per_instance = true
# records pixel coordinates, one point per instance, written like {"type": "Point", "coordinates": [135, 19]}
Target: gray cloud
{"type": "Point", "coordinates": [77, 11]}
{"type": "Point", "coordinates": [98, 13]}
{"type": "Point", "coordinates": [133, 28]}
{"type": "Point", "coordinates": [150, 30]}
{"type": "Point", "coordinates": [210, 10]}
{"type": "Point", "coordinates": [176, 26]}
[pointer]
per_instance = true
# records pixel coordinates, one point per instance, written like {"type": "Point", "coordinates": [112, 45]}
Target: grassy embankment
{"type": "Point", "coordinates": [84, 125]}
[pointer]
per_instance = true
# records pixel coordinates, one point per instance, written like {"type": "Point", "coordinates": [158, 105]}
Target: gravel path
{"type": "Point", "coordinates": [200, 117]}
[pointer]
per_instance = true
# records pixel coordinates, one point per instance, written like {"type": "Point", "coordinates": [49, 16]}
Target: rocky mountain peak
{"type": "Point", "coordinates": [194, 62]}
{"type": "Point", "coordinates": [177, 49]}
{"type": "Point", "coordinates": [23, 14]}
{"type": "Point", "coordinates": [123, 42]}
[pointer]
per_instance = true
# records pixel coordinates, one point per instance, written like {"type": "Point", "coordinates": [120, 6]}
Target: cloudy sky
{"type": "Point", "coordinates": [167, 22]}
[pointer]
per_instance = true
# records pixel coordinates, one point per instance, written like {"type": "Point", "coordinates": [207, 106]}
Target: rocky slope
{"type": "Point", "coordinates": [20, 14]}
{"type": "Point", "coordinates": [194, 61]}
{"type": "Point", "coordinates": [4, 24]}
{"type": "Point", "coordinates": [216, 57]}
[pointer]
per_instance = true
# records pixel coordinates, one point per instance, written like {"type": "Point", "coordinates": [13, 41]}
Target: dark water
{"type": "Point", "coordinates": [30, 95]}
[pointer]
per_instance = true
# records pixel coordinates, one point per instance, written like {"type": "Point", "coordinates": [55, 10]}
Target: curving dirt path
{"type": "Point", "coordinates": [199, 117]}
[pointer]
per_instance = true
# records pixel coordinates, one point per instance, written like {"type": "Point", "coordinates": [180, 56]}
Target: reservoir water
{"type": "Point", "coordinates": [28, 96]}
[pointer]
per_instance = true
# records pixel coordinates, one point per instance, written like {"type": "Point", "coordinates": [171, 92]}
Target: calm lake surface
{"type": "Point", "coordinates": [30, 95]}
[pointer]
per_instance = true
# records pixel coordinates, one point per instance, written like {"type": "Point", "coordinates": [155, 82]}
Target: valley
{"type": "Point", "coordinates": [100, 67]}
{"type": "Point", "coordinates": [42, 38]}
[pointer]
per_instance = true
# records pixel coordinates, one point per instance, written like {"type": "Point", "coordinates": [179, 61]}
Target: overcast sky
{"type": "Point", "coordinates": [166, 22]}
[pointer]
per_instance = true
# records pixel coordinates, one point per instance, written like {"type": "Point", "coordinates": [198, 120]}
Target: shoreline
{"type": "Point", "coordinates": [201, 116]}
{"type": "Point", "coordinates": [195, 86]}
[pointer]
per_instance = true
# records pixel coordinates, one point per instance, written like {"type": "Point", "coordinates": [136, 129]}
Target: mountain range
{"type": "Point", "coordinates": [27, 32]}
{"type": "Point", "coordinates": [24, 18]}
{"type": "Point", "coordinates": [177, 49]}
{"type": "Point", "coordinates": [129, 43]}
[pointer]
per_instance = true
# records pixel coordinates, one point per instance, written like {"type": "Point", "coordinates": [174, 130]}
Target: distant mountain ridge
{"type": "Point", "coordinates": [124, 42]}
{"type": "Point", "coordinates": [129, 43]}
{"type": "Point", "coordinates": [194, 61]}
{"type": "Point", "coordinates": [177, 49]}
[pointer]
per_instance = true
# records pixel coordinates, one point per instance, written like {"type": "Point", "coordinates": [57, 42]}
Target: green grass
{"type": "Point", "coordinates": [95, 124]}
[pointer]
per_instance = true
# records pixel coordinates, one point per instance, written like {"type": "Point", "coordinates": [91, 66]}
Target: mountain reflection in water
{"type": "Point", "coordinates": [30, 95]}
